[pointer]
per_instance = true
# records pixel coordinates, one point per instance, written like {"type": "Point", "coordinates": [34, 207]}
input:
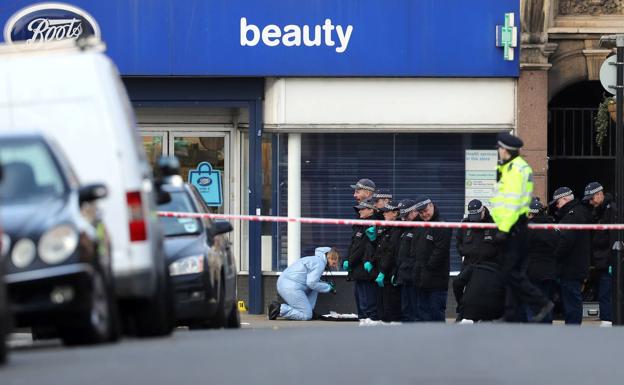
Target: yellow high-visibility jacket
{"type": "Point", "coordinates": [514, 193]}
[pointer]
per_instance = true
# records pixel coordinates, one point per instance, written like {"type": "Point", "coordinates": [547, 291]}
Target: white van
{"type": "Point", "coordinates": [74, 95]}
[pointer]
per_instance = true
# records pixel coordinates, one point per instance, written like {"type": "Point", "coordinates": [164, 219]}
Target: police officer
{"type": "Point", "coordinates": [604, 212]}
{"type": "Point", "coordinates": [572, 253]}
{"type": "Point", "coordinates": [406, 262]}
{"type": "Point", "coordinates": [433, 250]}
{"type": "Point", "coordinates": [542, 269]}
{"type": "Point", "coordinates": [385, 260]}
{"type": "Point", "coordinates": [358, 264]}
{"type": "Point", "coordinates": [475, 245]}
{"type": "Point", "coordinates": [480, 291]}
{"type": "Point", "coordinates": [363, 189]}
{"type": "Point", "coordinates": [509, 208]}
{"type": "Point", "coordinates": [381, 197]}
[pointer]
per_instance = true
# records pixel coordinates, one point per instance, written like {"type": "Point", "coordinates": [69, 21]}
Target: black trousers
{"type": "Point", "coordinates": [391, 300]}
{"type": "Point", "coordinates": [519, 290]}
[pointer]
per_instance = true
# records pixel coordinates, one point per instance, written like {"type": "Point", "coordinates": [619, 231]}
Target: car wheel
{"type": "Point", "coordinates": [156, 317]}
{"type": "Point", "coordinates": [98, 324]}
{"type": "Point", "coordinates": [219, 319]}
{"type": "Point", "coordinates": [3, 335]}
{"type": "Point", "coordinates": [233, 321]}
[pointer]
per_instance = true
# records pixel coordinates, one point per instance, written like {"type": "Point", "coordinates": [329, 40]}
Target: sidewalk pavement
{"type": "Point", "coordinates": [260, 321]}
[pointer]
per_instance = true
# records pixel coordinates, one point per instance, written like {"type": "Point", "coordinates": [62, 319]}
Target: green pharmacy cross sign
{"type": "Point", "coordinates": [507, 36]}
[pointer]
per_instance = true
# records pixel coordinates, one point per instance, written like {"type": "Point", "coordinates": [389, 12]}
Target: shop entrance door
{"type": "Point", "coordinates": [194, 149]}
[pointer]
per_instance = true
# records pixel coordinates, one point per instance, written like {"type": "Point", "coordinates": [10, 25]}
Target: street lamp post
{"type": "Point", "coordinates": [619, 181]}
{"type": "Point", "coordinates": [618, 247]}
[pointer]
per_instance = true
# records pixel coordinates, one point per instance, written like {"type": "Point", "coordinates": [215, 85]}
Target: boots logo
{"type": "Point", "coordinates": [49, 22]}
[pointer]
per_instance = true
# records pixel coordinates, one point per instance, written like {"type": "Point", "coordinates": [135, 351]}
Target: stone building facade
{"type": "Point", "coordinates": [559, 90]}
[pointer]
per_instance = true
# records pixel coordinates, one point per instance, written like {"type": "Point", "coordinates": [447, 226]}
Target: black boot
{"type": "Point", "coordinates": [274, 310]}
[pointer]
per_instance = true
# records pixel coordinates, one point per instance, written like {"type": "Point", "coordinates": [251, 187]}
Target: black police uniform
{"type": "Point", "coordinates": [361, 250]}
{"type": "Point", "coordinates": [602, 244]}
{"type": "Point", "coordinates": [542, 268]}
{"type": "Point", "coordinates": [406, 262]}
{"type": "Point", "coordinates": [602, 241]}
{"type": "Point", "coordinates": [572, 254]}
{"type": "Point", "coordinates": [432, 249]}
{"type": "Point", "coordinates": [476, 245]}
{"type": "Point", "coordinates": [385, 260]}
{"type": "Point", "coordinates": [480, 292]}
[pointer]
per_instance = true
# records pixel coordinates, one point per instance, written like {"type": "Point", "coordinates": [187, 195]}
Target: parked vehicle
{"type": "Point", "coordinates": [200, 260]}
{"type": "Point", "coordinates": [58, 272]}
{"type": "Point", "coordinates": [75, 96]}
{"type": "Point", "coordinates": [4, 303]}
{"type": "Point", "coordinates": [4, 315]}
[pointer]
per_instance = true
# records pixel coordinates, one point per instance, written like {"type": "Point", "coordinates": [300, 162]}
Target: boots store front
{"type": "Point", "coordinates": [291, 102]}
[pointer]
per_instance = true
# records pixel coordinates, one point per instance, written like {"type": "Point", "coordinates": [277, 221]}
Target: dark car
{"type": "Point", "coordinates": [201, 264]}
{"type": "Point", "coordinates": [4, 320]}
{"type": "Point", "coordinates": [58, 267]}
{"type": "Point", "coordinates": [4, 303]}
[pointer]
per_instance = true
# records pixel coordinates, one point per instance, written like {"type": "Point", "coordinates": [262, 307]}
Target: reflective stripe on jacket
{"type": "Point", "coordinates": [514, 192]}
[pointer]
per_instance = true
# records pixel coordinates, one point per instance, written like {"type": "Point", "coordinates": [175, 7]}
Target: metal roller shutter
{"type": "Point", "coordinates": [409, 164]}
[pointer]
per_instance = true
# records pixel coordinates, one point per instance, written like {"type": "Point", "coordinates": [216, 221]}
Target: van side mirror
{"type": "Point", "coordinates": [92, 192]}
{"type": "Point", "coordinates": [220, 227]}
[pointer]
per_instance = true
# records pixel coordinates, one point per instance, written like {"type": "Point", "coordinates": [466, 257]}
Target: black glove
{"type": "Point", "coordinates": [501, 236]}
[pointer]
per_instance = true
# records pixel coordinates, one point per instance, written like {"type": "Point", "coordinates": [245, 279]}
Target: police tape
{"type": "Point", "coordinates": [367, 222]}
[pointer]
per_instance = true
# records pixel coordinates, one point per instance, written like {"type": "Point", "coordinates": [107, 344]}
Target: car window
{"type": "Point", "coordinates": [29, 172]}
{"type": "Point", "coordinates": [199, 201]}
{"type": "Point", "coordinates": [180, 203]}
{"type": "Point", "coordinates": [64, 164]}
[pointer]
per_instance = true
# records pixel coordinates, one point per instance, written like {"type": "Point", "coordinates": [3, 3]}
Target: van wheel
{"type": "Point", "coordinates": [98, 324]}
{"type": "Point", "coordinates": [156, 318]}
{"type": "Point", "coordinates": [233, 321]}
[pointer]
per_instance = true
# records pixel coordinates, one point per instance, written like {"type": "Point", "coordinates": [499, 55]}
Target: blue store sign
{"type": "Point", "coordinates": [434, 38]}
{"type": "Point", "coordinates": [48, 22]}
{"type": "Point", "coordinates": [208, 183]}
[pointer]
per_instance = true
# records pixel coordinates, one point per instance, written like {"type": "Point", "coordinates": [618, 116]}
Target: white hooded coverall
{"type": "Point", "coordinates": [300, 284]}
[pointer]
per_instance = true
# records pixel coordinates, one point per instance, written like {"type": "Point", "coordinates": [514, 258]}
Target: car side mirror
{"type": "Point", "coordinates": [162, 196]}
{"type": "Point", "coordinates": [92, 192]}
{"type": "Point", "coordinates": [167, 166]}
{"type": "Point", "coordinates": [220, 227]}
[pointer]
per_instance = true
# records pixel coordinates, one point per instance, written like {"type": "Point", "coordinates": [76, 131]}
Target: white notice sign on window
{"type": "Point", "coordinates": [480, 175]}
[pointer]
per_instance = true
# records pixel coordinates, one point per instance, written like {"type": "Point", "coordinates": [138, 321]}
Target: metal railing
{"type": "Point", "coordinates": [572, 135]}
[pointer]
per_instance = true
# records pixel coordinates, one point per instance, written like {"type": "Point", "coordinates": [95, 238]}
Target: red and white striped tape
{"type": "Point", "coordinates": [334, 221]}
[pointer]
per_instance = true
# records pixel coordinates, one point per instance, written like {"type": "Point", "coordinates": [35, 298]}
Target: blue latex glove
{"type": "Point", "coordinates": [368, 267]}
{"type": "Point", "coordinates": [393, 280]}
{"type": "Point", "coordinates": [332, 287]}
{"type": "Point", "coordinates": [371, 233]}
{"type": "Point", "coordinates": [380, 279]}
{"type": "Point", "coordinates": [610, 270]}
{"type": "Point", "coordinates": [345, 265]}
